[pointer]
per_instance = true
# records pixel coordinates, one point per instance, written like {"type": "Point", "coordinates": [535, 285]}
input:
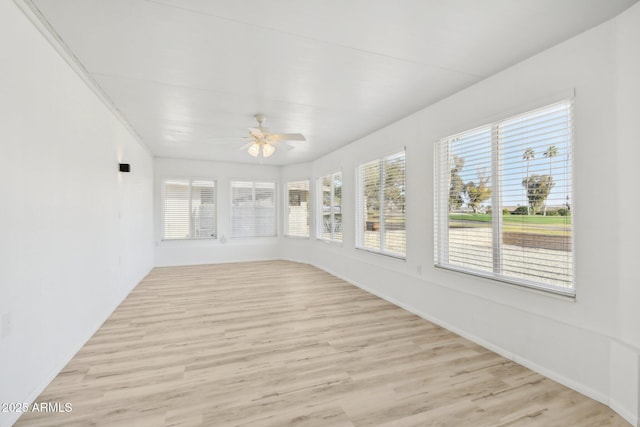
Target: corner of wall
{"type": "Point", "coordinates": [624, 386]}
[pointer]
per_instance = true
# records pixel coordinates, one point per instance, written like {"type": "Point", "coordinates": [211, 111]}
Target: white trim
{"type": "Point", "coordinates": [387, 254]}
{"type": "Point", "coordinates": [53, 373]}
{"type": "Point", "coordinates": [34, 15]}
{"type": "Point", "coordinates": [162, 210]}
{"type": "Point", "coordinates": [496, 200]}
{"type": "Point", "coordinates": [555, 376]}
{"type": "Point", "coordinates": [276, 210]}
{"type": "Point", "coordinates": [624, 413]}
{"type": "Point", "coordinates": [285, 205]}
{"type": "Point", "coordinates": [336, 243]}
{"type": "Point", "coordinates": [360, 205]}
{"type": "Point", "coordinates": [568, 293]}
{"type": "Point", "coordinates": [441, 215]}
{"type": "Point", "coordinates": [319, 217]}
{"type": "Point", "coordinates": [513, 111]}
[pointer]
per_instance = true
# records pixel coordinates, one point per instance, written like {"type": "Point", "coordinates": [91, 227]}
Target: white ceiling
{"type": "Point", "coordinates": [183, 71]}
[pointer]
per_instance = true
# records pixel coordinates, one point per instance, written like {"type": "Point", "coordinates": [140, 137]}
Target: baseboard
{"type": "Point", "coordinates": [553, 375]}
{"type": "Point", "coordinates": [50, 377]}
{"type": "Point", "coordinates": [214, 262]}
{"type": "Point", "coordinates": [624, 413]}
{"type": "Point", "coordinates": [13, 417]}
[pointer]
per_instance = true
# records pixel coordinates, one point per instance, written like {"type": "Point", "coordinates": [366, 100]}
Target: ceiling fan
{"type": "Point", "coordinates": [265, 143]}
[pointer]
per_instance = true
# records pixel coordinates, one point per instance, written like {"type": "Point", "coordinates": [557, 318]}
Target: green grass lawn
{"type": "Point", "coordinates": [515, 219]}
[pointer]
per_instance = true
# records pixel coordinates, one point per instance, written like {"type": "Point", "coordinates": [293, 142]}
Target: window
{"type": "Point", "coordinates": [298, 209]}
{"type": "Point", "coordinates": [504, 200]}
{"type": "Point", "coordinates": [380, 206]}
{"type": "Point", "coordinates": [330, 206]}
{"type": "Point", "coordinates": [253, 209]}
{"type": "Point", "coordinates": [189, 210]}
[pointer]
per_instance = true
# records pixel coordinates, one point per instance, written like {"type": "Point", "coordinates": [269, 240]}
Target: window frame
{"type": "Point", "coordinates": [253, 187]}
{"type": "Point", "coordinates": [287, 206]}
{"type": "Point", "coordinates": [361, 207]}
{"type": "Point", "coordinates": [441, 205]}
{"type": "Point", "coordinates": [163, 216]}
{"type": "Point", "coordinates": [320, 206]}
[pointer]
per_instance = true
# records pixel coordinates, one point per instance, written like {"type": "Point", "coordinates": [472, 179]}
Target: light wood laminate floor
{"type": "Point", "coordinates": [281, 343]}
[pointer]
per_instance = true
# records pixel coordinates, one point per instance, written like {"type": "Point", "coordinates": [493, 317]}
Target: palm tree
{"type": "Point", "coordinates": [551, 152]}
{"type": "Point", "coordinates": [528, 155]}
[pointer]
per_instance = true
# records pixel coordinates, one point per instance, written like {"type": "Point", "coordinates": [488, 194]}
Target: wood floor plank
{"type": "Point", "coordinates": [285, 344]}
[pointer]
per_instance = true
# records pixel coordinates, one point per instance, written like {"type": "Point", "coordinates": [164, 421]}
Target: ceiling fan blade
{"type": "Point", "coordinates": [281, 145]}
{"type": "Point", "coordinates": [287, 137]}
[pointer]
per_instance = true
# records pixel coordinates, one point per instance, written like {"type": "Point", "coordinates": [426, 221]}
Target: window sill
{"type": "Point", "coordinates": [390, 255]}
{"type": "Point", "coordinates": [186, 239]}
{"type": "Point", "coordinates": [330, 242]}
{"type": "Point", "coordinates": [254, 237]}
{"type": "Point", "coordinates": [547, 290]}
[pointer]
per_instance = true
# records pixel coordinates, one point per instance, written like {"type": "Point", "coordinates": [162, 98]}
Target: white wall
{"type": "Point", "coordinates": [627, 92]}
{"type": "Point", "coordinates": [224, 248]}
{"type": "Point", "coordinates": [76, 234]}
{"type": "Point", "coordinates": [596, 338]}
{"type": "Point", "coordinates": [591, 344]}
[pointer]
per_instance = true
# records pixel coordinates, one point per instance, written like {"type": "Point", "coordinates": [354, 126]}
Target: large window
{"type": "Point", "coordinates": [298, 209]}
{"type": "Point", "coordinates": [330, 207]}
{"type": "Point", "coordinates": [504, 200]}
{"type": "Point", "coordinates": [253, 209]}
{"type": "Point", "coordinates": [189, 209]}
{"type": "Point", "coordinates": [380, 206]}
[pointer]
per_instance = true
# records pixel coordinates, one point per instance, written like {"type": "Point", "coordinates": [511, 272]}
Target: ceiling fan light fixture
{"type": "Point", "coordinates": [254, 149]}
{"type": "Point", "coordinates": [268, 150]}
{"type": "Point", "coordinates": [264, 143]}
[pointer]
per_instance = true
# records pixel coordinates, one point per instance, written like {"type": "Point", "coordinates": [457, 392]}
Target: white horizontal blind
{"type": "Point", "coordinates": [242, 209]}
{"type": "Point", "coordinates": [380, 206]}
{"type": "Point", "coordinates": [504, 200]}
{"type": "Point", "coordinates": [176, 216]}
{"type": "Point", "coordinates": [537, 174]}
{"type": "Point", "coordinates": [253, 209]}
{"type": "Point", "coordinates": [298, 208]}
{"type": "Point", "coordinates": [368, 222]}
{"type": "Point", "coordinates": [469, 189]}
{"type": "Point", "coordinates": [330, 207]}
{"type": "Point", "coordinates": [189, 209]}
